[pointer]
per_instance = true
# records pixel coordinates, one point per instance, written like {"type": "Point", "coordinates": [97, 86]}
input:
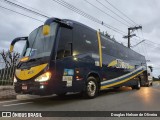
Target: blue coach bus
{"type": "Point", "coordinates": [66, 56]}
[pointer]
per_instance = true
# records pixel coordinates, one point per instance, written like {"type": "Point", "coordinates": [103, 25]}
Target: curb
{"type": "Point", "coordinates": [7, 93]}
{"type": "Point", "coordinates": [27, 97]}
{"type": "Point", "coordinates": [11, 97]}
{"type": "Point", "coordinates": [30, 97]}
{"type": "Point", "coordinates": [6, 87]}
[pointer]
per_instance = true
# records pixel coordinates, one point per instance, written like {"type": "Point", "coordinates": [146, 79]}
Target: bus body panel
{"type": "Point", "coordinates": [75, 56]}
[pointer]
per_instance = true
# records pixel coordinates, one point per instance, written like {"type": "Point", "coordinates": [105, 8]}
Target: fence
{"type": "Point", "coordinates": [6, 82]}
{"type": "Point", "coordinates": [7, 76]}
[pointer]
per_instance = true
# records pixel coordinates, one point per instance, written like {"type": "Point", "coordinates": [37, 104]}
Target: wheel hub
{"type": "Point", "coordinates": [91, 88]}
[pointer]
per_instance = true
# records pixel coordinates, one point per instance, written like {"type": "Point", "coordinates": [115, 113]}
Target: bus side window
{"type": "Point", "coordinates": [84, 40]}
{"type": "Point", "coordinates": [65, 43]}
{"type": "Point", "coordinates": [68, 50]}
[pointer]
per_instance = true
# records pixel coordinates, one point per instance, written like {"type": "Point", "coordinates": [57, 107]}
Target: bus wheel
{"type": "Point", "coordinates": [138, 86]}
{"type": "Point", "coordinates": [148, 85]}
{"type": "Point", "coordinates": [91, 90]}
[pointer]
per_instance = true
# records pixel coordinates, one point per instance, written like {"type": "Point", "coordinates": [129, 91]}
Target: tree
{"type": "Point", "coordinates": [107, 35]}
{"type": "Point", "coordinates": [10, 59]}
{"type": "Point", "coordinates": [159, 77]}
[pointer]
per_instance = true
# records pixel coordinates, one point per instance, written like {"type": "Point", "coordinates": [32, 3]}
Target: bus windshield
{"type": "Point", "coordinates": [40, 45]}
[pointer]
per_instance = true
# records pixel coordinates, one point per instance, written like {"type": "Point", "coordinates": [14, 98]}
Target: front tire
{"type": "Point", "coordinates": [91, 90]}
{"type": "Point", "coordinates": [137, 86]}
{"type": "Point", "coordinates": [148, 85]}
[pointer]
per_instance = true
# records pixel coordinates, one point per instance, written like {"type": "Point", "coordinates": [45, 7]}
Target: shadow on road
{"type": "Point", "coordinates": [56, 100]}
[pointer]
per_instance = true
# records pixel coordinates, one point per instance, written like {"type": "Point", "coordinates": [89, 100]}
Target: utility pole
{"type": "Point", "coordinates": [129, 34]}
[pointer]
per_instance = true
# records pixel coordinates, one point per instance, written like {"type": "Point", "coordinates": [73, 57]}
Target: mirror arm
{"type": "Point", "coordinates": [17, 40]}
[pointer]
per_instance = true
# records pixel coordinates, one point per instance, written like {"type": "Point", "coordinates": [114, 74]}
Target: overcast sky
{"type": "Point", "coordinates": [142, 12]}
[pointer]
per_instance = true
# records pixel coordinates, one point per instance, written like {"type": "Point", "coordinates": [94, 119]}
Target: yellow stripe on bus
{"type": "Point", "coordinates": [117, 83]}
{"type": "Point", "coordinates": [100, 48]}
{"type": "Point", "coordinates": [28, 74]}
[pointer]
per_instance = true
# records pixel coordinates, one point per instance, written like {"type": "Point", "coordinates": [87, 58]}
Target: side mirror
{"type": "Point", "coordinates": [46, 30]}
{"type": "Point", "coordinates": [17, 40]}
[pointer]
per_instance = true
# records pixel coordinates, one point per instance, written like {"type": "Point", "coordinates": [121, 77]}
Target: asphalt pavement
{"type": "Point", "coordinates": [123, 99]}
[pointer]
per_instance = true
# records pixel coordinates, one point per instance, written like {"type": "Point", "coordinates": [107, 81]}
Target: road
{"type": "Point", "coordinates": [123, 99]}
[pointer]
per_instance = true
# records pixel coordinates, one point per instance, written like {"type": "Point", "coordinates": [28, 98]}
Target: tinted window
{"type": "Point", "coordinates": [109, 46]}
{"type": "Point", "coordinates": [125, 52]}
{"type": "Point", "coordinates": [65, 43]}
{"type": "Point", "coordinates": [120, 51]}
{"type": "Point", "coordinates": [85, 40]}
{"type": "Point", "coordinates": [106, 48]}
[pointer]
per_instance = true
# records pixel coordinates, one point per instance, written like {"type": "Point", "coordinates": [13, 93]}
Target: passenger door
{"type": "Point", "coordinates": [64, 65]}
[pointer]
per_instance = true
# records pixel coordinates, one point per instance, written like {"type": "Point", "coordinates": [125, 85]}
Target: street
{"type": "Point", "coordinates": [123, 99]}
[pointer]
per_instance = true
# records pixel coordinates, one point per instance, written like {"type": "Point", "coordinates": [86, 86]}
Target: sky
{"type": "Point", "coordinates": [142, 12]}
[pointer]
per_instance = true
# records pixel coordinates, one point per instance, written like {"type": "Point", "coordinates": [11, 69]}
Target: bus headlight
{"type": "Point", "coordinates": [44, 77]}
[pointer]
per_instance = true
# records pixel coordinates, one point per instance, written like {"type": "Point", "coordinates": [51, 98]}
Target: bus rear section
{"type": "Point", "coordinates": [66, 56]}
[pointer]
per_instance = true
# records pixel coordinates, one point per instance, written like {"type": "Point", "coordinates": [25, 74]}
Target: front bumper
{"type": "Point", "coordinates": [32, 88]}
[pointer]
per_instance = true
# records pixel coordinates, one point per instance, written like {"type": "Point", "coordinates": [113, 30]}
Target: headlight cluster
{"type": "Point", "coordinates": [44, 77]}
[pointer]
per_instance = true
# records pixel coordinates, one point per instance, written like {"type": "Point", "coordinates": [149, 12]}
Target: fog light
{"type": "Point", "coordinates": [15, 80]}
{"type": "Point", "coordinates": [41, 87]}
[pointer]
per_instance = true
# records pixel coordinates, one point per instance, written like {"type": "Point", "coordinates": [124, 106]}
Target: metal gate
{"type": "Point", "coordinates": [6, 82]}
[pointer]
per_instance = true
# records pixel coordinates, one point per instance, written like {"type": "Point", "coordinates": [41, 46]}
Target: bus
{"type": "Point", "coordinates": [64, 56]}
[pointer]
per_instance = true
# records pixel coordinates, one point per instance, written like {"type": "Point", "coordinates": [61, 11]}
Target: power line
{"type": "Point", "coordinates": [24, 8]}
{"type": "Point", "coordinates": [20, 13]}
{"type": "Point", "coordinates": [142, 47]}
{"type": "Point", "coordinates": [73, 8]}
{"type": "Point", "coordinates": [145, 44]}
{"type": "Point", "coordinates": [151, 45]}
{"type": "Point", "coordinates": [129, 36]}
{"type": "Point", "coordinates": [113, 12]}
{"type": "Point", "coordinates": [149, 41]}
{"type": "Point", "coordinates": [153, 42]}
{"type": "Point", "coordinates": [105, 13]}
{"type": "Point", "coordinates": [120, 12]}
{"type": "Point", "coordinates": [67, 5]}
{"type": "Point", "coordinates": [84, 14]}
{"type": "Point", "coordinates": [138, 43]}
{"type": "Point", "coordinates": [31, 8]}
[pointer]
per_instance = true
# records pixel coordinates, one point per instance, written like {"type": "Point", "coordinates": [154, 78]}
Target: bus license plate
{"type": "Point", "coordinates": [67, 78]}
{"type": "Point", "coordinates": [24, 87]}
